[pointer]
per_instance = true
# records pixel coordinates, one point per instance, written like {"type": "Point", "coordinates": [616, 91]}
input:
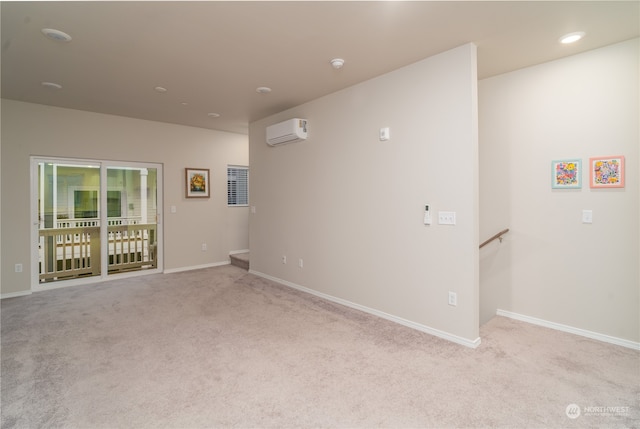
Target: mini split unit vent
{"type": "Point", "coordinates": [289, 131]}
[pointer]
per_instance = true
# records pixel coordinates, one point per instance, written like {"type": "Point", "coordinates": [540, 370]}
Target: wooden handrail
{"type": "Point", "coordinates": [497, 236]}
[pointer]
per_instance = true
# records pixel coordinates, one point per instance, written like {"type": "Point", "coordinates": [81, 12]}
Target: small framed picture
{"type": "Point", "coordinates": [606, 172]}
{"type": "Point", "coordinates": [197, 182]}
{"type": "Point", "coordinates": [566, 174]}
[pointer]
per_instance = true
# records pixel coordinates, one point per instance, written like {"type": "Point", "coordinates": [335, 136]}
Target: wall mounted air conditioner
{"type": "Point", "coordinates": [289, 131]}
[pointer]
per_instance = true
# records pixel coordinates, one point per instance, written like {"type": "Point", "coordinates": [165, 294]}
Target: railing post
{"type": "Point", "coordinates": [95, 260]}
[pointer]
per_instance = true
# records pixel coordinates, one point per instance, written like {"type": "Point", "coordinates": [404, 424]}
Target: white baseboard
{"type": "Point", "coordinates": [97, 280]}
{"type": "Point", "coordinates": [570, 329]}
{"type": "Point", "coordinates": [15, 294]}
{"type": "Point", "coordinates": [417, 326]}
{"type": "Point", "coordinates": [195, 267]}
{"type": "Point", "coordinates": [235, 252]}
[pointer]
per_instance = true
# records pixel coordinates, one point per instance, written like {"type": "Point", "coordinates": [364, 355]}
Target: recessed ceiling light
{"type": "Point", "coordinates": [337, 63]}
{"type": "Point", "coordinates": [263, 90]}
{"type": "Point", "coordinates": [213, 115]}
{"type": "Point", "coordinates": [160, 89]}
{"type": "Point", "coordinates": [57, 35]}
{"type": "Point", "coordinates": [572, 37]}
{"type": "Point", "coordinates": [51, 85]}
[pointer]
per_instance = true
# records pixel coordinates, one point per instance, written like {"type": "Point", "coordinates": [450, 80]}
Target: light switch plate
{"type": "Point", "coordinates": [447, 218]}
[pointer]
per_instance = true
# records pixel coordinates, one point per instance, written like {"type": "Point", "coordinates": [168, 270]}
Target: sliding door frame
{"type": "Point", "coordinates": [104, 255]}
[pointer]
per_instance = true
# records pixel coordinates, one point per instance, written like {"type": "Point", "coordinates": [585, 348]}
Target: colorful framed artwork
{"type": "Point", "coordinates": [566, 174]}
{"type": "Point", "coordinates": [197, 182]}
{"type": "Point", "coordinates": [606, 172]}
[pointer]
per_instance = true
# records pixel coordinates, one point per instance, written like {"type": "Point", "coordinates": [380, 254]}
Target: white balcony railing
{"type": "Point", "coordinates": [73, 248]}
{"type": "Point", "coordinates": [77, 223]}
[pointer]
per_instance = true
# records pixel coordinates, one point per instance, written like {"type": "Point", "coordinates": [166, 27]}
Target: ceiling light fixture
{"type": "Point", "coordinates": [57, 35]}
{"type": "Point", "coordinates": [51, 85]}
{"type": "Point", "coordinates": [572, 37]}
{"type": "Point", "coordinates": [263, 90]}
{"type": "Point", "coordinates": [160, 89]}
{"type": "Point", "coordinates": [337, 63]}
{"type": "Point", "coordinates": [213, 115]}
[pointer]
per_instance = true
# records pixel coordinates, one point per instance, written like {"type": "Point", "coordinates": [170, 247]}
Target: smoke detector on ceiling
{"type": "Point", "coordinates": [337, 63]}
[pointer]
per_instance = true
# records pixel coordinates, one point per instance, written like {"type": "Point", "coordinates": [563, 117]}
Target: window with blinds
{"type": "Point", "coordinates": [237, 186]}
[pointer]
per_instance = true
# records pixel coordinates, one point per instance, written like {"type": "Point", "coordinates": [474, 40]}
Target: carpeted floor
{"type": "Point", "coordinates": [221, 348]}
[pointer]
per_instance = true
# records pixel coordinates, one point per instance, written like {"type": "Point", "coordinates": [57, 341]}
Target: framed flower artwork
{"type": "Point", "coordinates": [197, 182]}
{"type": "Point", "coordinates": [606, 172]}
{"type": "Point", "coordinates": [566, 174]}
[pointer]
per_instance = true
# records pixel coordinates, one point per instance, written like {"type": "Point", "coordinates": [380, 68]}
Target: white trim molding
{"type": "Point", "coordinates": [236, 252]}
{"type": "Point", "coordinates": [195, 267]}
{"type": "Point", "coordinates": [15, 294]}
{"type": "Point", "coordinates": [417, 326]}
{"type": "Point", "coordinates": [570, 329]}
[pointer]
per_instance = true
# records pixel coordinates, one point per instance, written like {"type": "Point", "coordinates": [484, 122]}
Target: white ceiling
{"type": "Point", "coordinates": [213, 55]}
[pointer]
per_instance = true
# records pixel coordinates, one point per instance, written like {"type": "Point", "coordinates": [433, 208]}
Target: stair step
{"type": "Point", "coordinates": [240, 260]}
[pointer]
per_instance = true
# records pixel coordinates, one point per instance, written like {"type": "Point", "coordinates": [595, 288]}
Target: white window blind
{"type": "Point", "coordinates": [237, 186]}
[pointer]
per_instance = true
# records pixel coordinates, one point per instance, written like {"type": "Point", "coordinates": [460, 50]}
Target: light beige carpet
{"type": "Point", "coordinates": [221, 348]}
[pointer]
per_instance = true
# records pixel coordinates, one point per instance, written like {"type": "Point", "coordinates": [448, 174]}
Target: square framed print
{"type": "Point", "coordinates": [197, 182]}
{"type": "Point", "coordinates": [566, 174]}
{"type": "Point", "coordinates": [606, 172]}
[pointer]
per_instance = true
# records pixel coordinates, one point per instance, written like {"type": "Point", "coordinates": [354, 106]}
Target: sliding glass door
{"type": "Point", "coordinates": [94, 219]}
{"type": "Point", "coordinates": [68, 221]}
{"type": "Point", "coordinates": [131, 217]}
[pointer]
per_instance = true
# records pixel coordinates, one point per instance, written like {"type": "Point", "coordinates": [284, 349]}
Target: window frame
{"type": "Point", "coordinates": [238, 193]}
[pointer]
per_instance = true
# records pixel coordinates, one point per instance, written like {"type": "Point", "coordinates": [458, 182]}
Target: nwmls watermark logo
{"type": "Point", "coordinates": [606, 411]}
{"type": "Point", "coordinates": [574, 411]}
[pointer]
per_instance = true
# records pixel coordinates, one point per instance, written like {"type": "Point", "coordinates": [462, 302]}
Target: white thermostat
{"type": "Point", "coordinates": [384, 134]}
{"type": "Point", "coordinates": [427, 215]}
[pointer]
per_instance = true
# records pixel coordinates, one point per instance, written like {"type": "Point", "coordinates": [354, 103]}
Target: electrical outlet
{"type": "Point", "coordinates": [453, 298]}
{"type": "Point", "coordinates": [284, 259]}
{"type": "Point", "coordinates": [300, 263]}
{"type": "Point", "coordinates": [204, 247]}
{"type": "Point", "coordinates": [18, 268]}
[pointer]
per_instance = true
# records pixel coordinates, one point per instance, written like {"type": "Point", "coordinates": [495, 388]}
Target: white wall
{"type": "Point", "coordinates": [551, 265]}
{"type": "Point", "coordinates": [352, 206]}
{"type": "Point", "coordinates": [32, 129]}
